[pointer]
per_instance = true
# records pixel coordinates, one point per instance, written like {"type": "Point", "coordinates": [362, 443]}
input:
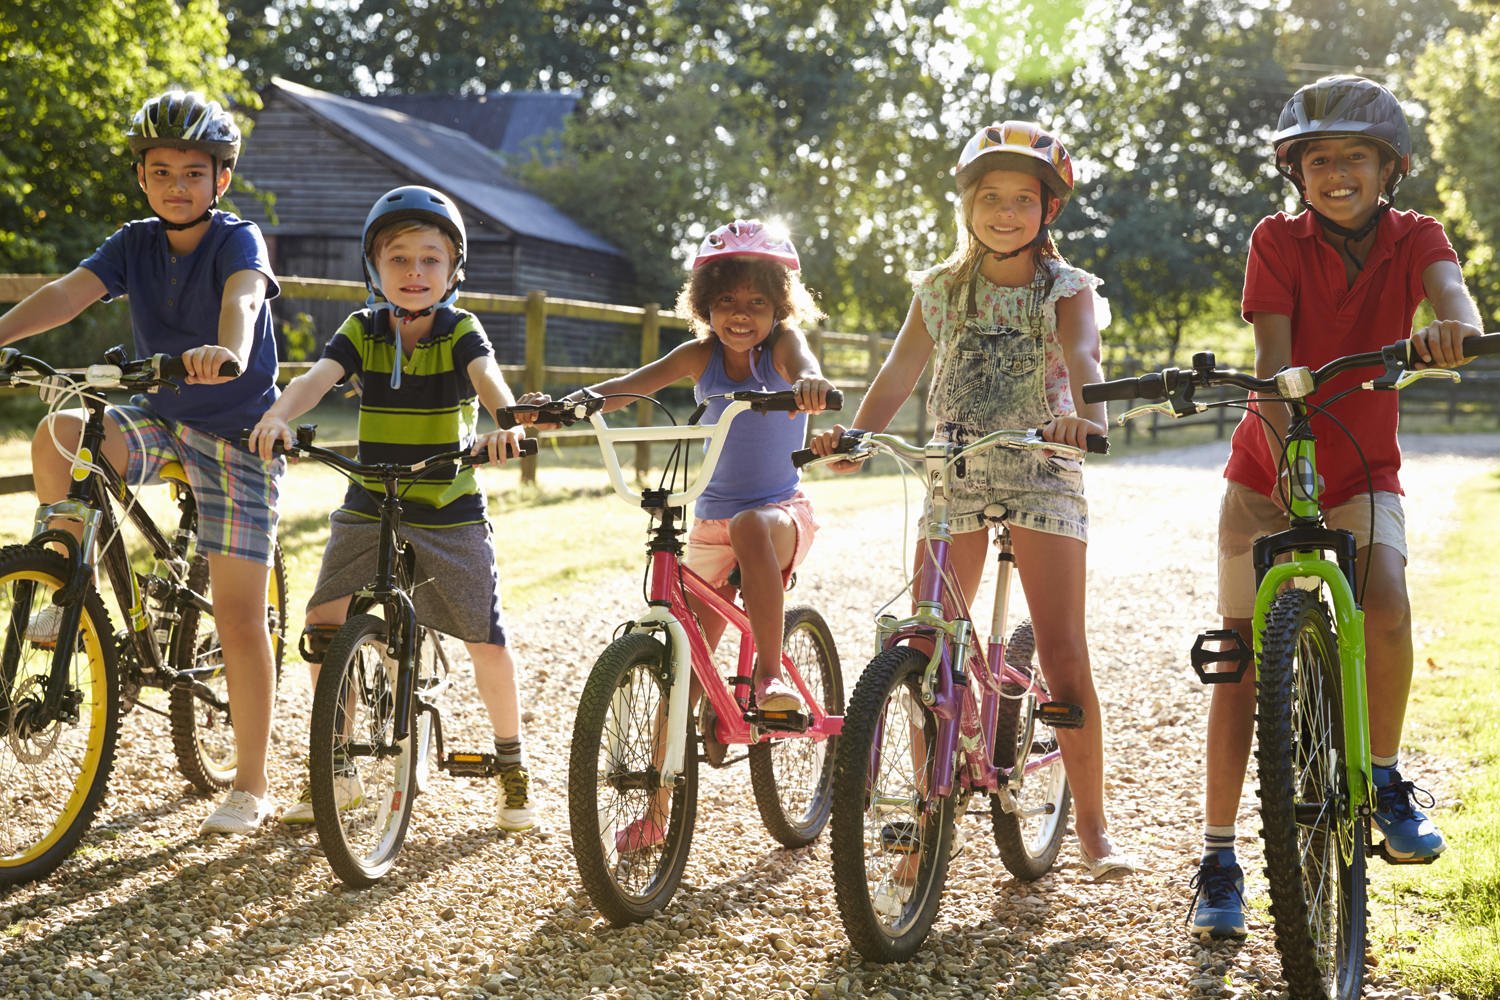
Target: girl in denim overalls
{"type": "Point", "coordinates": [1013, 327]}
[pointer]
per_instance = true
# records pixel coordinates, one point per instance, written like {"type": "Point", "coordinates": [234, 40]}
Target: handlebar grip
{"type": "Point", "coordinates": [505, 419]}
{"type": "Point", "coordinates": [802, 456]}
{"type": "Point", "coordinates": [528, 447]}
{"type": "Point", "coordinates": [1101, 392]}
{"type": "Point", "coordinates": [834, 400]}
{"type": "Point", "coordinates": [174, 368]}
{"type": "Point", "coordinates": [1489, 343]}
{"type": "Point", "coordinates": [1098, 444]}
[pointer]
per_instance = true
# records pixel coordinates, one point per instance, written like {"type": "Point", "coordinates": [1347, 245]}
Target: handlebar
{"type": "Point", "coordinates": [565, 413]}
{"type": "Point", "coordinates": [859, 445]}
{"type": "Point", "coordinates": [116, 372]}
{"type": "Point", "coordinates": [303, 447]}
{"type": "Point", "coordinates": [1179, 384]}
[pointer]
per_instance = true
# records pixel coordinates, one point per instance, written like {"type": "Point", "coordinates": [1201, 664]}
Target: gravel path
{"type": "Point", "coordinates": [145, 909]}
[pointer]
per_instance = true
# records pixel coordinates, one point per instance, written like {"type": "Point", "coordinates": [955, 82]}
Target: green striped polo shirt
{"type": "Point", "coordinates": [436, 409]}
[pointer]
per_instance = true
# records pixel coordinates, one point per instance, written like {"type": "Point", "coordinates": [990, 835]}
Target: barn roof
{"type": "Point", "coordinates": [446, 159]}
{"type": "Point", "coordinates": [509, 122]}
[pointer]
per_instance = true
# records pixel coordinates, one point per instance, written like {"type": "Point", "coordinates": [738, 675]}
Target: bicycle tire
{"type": "Point", "coordinates": [352, 738]}
{"type": "Point", "coordinates": [1315, 850]}
{"type": "Point", "coordinates": [1028, 841]}
{"type": "Point", "coordinates": [610, 763]}
{"type": "Point", "coordinates": [202, 730]}
{"type": "Point", "coordinates": [792, 778]}
{"type": "Point", "coordinates": [868, 834]}
{"type": "Point", "coordinates": [52, 778]}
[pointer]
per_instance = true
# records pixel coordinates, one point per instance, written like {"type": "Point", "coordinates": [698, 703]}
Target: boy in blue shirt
{"type": "Point", "coordinates": [198, 281]}
{"type": "Point", "coordinates": [424, 369]}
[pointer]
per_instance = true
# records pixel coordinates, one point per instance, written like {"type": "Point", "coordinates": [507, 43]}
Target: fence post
{"type": "Point", "coordinates": [650, 350]}
{"type": "Point", "coordinates": [536, 364]}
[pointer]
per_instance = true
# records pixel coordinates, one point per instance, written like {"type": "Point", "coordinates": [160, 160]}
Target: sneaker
{"type": "Point", "coordinates": [1219, 901]}
{"type": "Point", "coordinates": [640, 835]}
{"type": "Point", "coordinates": [44, 626]}
{"type": "Point", "coordinates": [240, 812]}
{"type": "Point", "coordinates": [775, 695]}
{"type": "Point", "coordinates": [514, 812]}
{"type": "Point", "coordinates": [1409, 834]}
{"type": "Point", "coordinates": [348, 791]}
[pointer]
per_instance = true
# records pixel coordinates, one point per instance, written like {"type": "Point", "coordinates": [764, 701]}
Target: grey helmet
{"type": "Point", "coordinates": [1343, 106]}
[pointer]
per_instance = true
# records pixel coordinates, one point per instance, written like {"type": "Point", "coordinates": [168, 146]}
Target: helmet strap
{"type": "Point", "coordinates": [1350, 236]}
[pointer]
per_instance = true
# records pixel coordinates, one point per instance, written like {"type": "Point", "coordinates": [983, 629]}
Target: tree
{"type": "Point", "coordinates": [71, 75]}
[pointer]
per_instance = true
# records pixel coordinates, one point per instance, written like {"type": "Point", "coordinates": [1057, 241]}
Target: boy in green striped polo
{"type": "Point", "coordinates": [423, 368]}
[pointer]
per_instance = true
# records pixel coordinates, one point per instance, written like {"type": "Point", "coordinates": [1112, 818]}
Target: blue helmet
{"type": "Point", "coordinates": [413, 203]}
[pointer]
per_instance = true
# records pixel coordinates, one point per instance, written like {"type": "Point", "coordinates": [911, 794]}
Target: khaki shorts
{"type": "Point", "coordinates": [1245, 515]}
{"type": "Point", "coordinates": [710, 555]}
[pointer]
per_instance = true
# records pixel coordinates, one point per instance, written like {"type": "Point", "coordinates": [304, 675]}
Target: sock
{"type": "Point", "coordinates": [1218, 838]}
{"type": "Point", "coordinates": [509, 752]}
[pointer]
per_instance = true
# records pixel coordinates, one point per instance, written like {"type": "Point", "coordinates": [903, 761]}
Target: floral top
{"type": "Point", "coordinates": [944, 315]}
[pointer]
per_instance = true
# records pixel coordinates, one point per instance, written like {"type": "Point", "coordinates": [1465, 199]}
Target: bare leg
{"type": "Point", "coordinates": [1388, 652]}
{"type": "Point", "coordinates": [495, 676]}
{"type": "Point", "coordinates": [51, 470]}
{"type": "Point", "coordinates": [239, 595]}
{"type": "Point", "coordinates": [764, 541]}
{"type": "Point", "coordinates": [1231, 728]}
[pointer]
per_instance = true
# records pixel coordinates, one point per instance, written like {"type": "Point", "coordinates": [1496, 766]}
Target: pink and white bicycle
{"type": "Point", "coordinates": [633, 767]}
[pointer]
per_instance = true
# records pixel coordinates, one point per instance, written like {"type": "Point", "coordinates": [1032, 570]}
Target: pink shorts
{"type": "Point", "coordinates": [710, 555]}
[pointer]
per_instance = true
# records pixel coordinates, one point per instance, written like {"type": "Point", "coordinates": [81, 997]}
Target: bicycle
{"type": "Point", "coordinates": [925, 731]}
{"type": "Point", "coordinates": [633, 740]}
{"type": "Point", "coordinates": [1312, 718]}
{"type": "Point", "coordinates": [62, 701]}
{"type": "Point", "coordinates": [376, 720]}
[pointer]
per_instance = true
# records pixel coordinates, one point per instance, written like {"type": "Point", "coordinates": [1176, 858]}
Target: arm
{"type": "Point", "coordinates": [494, 394]}
{"type": "Point", "coordinates": [795, 361]}
{"type": "Point", "coordinates": [52, 305]}
{"type": "Point", "coordinates": [1273, 352]}
{"type": "Point", "coordinates": [301, 395]}
{"type": "Point", "coordinates": [244, 294]}
{"type": "Point", "coordinates": [685, 361]}
{"type": "Point", "coordinates": [1440, 343]}
{"type": "Point", "coordinates": [1078, 335]}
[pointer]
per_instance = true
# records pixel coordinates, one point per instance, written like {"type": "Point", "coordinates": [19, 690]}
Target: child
{"type": "Point", "coordinates": [1345, 276]}
{"type": "Point", "coordinates": [198, 281]}
{"type": "Point", "coordinates": [1013, 327]}
{"type": "Point", "coordinates": [420, 364]}
{"type": "Point", "coordinates": [747, 303]}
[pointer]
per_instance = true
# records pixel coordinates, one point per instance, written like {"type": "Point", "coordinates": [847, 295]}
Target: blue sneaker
{"type": "Point", "coordinates": [1219, 902]}
{"type": "Point", "coordinates": [1410, 837]}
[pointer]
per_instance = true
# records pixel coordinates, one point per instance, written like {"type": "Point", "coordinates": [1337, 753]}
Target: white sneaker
{"type": "Point", "coordinates": [891, 898]}
{"type": "Point", "coordinates": [44, 626]}
{"type": "Point", "coordinates": [514, 813]}
{"type": "Point", "coordinates": [240, 812]}
{"type": "Point", "coordinates": [348, 791]}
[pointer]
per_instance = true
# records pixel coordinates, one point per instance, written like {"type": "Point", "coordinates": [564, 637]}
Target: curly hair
{"type": "Point", "coordinates": [791, 299]}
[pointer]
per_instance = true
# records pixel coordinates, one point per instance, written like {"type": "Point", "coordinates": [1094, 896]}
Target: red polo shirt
{"type": "Point", "coordinates": [1293, 271]}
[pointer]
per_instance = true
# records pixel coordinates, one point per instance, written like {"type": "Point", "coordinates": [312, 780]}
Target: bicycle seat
{"type": "Point", "coordinates": [173, 472]}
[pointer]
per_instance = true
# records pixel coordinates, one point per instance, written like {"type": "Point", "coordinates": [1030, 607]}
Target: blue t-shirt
{"type": "Point", "coordinates": [175, 300]}
{"type": "Point", "coordinates": [755, 467]}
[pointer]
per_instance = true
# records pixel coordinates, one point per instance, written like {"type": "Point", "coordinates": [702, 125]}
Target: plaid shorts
{"type": "Point", "coordinates": [236, 492]}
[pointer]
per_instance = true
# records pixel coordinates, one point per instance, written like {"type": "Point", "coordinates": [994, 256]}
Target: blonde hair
{"type": "Point", "coordinates": [385, 235]}
{"type": "Point", "coordinates": [964, 261]}
{"type": "Point", "coordinates": [790, 298]}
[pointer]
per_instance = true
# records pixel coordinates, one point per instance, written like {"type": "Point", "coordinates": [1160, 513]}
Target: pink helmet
{"type": "Point", "coordinates": [1015, 145]}
{"type": "Point", "coordinates": [747, 238]}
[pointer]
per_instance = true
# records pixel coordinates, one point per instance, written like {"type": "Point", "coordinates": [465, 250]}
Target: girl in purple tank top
{"type": "Point", "coordinates": [747, 303]}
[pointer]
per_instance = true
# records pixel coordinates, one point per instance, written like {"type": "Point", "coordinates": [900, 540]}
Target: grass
{"type": "Point", "coordinates": [1439, 925]}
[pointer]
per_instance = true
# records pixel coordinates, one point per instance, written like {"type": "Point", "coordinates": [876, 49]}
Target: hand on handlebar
{"type": "Point", "coordinates": [1440, 344]}
{"type": "Point", "coordinates": [500, 445]}
{"type": "Point", "coordinates": [203, 363]}
{"type": "Point", "coordinates": [827, 443]}
{"type": "Point", "coordinates": [1071, 429]}
{"type": "Point", "coordinates": [265, 435]}
{"type": "Point", "coordinates": [811, 394]}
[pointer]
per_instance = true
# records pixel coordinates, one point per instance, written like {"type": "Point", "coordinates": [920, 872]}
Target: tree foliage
{"type": "Point", "coordinates": [71, 75]}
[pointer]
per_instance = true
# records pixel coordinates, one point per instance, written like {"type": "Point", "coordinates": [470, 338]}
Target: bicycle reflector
{"type": "Point", "coordinates": [1236, 652]}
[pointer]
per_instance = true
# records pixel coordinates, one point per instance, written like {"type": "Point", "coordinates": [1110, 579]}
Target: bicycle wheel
{"type": "Point", "coordinates": [53, 766]}
{"type": "Point", "coordinates": [630, 846]}
{"type": "Point", "coordinates": [1315, 849]}
{"type": "Point", "coordinates": [362, 780]}
{"type": "Point", "coordinates": [793, 777]}
{"type": "Point", "coordinates": [890, 838]}
{"type": "Point", "coordinates": [202, 731]}
{"type": "Point", "coordinates": [1030, 832]}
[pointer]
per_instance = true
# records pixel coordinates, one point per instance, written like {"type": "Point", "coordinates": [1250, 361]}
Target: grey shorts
{"type": "Point", "coordinates": [1039, 491]}
{"type": "Point", "coordinates": [457, 589]}
{"type": "Point", "coordinates": [1245, 515]}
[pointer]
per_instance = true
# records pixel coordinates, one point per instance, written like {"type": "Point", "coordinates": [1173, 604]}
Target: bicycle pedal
{"type": "Point", "coordinates": [472, 765]}
{"type": "Point", "coordinates": [781, 722]}
{"type": "Point", "coordinates": [1060, 715]}
{"type": "Point", "coordinates": [899, 838]}
{"type": "Point", "coordinates": [1384, 853]}
{"type": "Point", "coordinates": [1238, 654]}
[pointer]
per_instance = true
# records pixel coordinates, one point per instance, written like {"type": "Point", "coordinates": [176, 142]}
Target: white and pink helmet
{"type": "Point", "coordinates": [748, 238]}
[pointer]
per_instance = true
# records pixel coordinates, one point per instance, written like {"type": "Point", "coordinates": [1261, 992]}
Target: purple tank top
{"type": "Point", "coordinates": [755, 468]}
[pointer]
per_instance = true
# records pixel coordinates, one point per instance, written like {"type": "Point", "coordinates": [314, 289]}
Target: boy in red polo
{"type": "Point", "coordinates": [1344, 276]}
